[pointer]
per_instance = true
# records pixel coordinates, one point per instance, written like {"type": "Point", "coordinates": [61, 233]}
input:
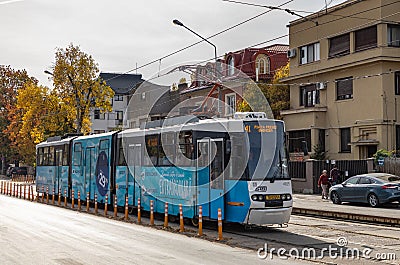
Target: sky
{"type": "Point", "coordinates": [121, 35]}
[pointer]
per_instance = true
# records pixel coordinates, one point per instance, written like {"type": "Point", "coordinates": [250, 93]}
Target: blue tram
{"type": "Point", "coordinates": [238, 165]}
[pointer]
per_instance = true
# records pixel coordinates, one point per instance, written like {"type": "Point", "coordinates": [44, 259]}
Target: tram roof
{"type": "Point", "coordinates": [54, 141]}
{"type": "Point", "coordinates": [211, 125]}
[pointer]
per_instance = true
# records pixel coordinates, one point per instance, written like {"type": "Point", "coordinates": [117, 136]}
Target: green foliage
{"type": "Point", "coordinates": [75, 77]}
{"type": "Point", "coordinates": [318, 153]}
{"type": "Point", "coordinates": [382, 153]}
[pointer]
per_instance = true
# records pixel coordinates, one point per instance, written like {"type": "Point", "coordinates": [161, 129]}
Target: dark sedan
{"type": "Point", "coordinates": [374, 189]}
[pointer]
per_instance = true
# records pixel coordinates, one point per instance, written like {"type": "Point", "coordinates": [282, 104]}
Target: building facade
{"type": "Point", "coordinates": [123, 85]}
{"type": "Point", "coordinates": [344, 80]}
{"type": "Point", "coordinates": [235, 71]}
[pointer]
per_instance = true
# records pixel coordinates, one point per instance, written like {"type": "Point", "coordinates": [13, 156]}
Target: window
{"type": "Point", "coordinates": [309, 53]}
{"type": "Point", "coordinates": [230, 101]}
{"type": "Point", "coordinates": [120, 115]}
{"type": "Point", "coordinates": [309, 95]}
{"type": "Point", "coordinates": [77, 154]}
{"type": "Point", "coordinates": [297, 139]}
{"type": "Point", "coordinates": [339, 45]}
{"type": "Point", "coordinates": [152, 150]}
{"type": "Point", "coordinates": [397, 83]}
{"type": "Point", "coordinates": [344, 88]}
{"type": "Point", "coordinates": [366, 38]}
{"type": "Point", "coordinates": [231, 66]}
{"type": "Point", "coordinates": [98, 115]}
{"type": "Point", "coordinates": [394, 35]}
{"type": "Point", "coordinates": [345, 140]}
{"type": "Point", "coordinates": [185, 153]}
{"type": "Point", "coordinates": [262, 64]}
{"type": "Point", "coordinates": [118, 98]}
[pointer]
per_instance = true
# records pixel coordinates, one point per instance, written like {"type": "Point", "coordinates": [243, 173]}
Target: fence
{"type": "Point", "coordinates": [391, 165]}
{"type": "Point", "coordinates": [305, 174]}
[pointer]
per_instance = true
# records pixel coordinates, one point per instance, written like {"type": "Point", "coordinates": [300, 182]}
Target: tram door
{"type": "Point", "coordinates": [210, 176]}
{"type": "Point", "coordinates": [58, 170]}
{"type": "Point", "coordinates": [90, 171]}
{"type": "Point", "coordinates": [134, 166]}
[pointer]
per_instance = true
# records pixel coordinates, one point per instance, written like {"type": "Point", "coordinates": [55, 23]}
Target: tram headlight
{"type": "Point", "coordinates": [254, 197]}
{"type": "Point", "coordinates": [283, 197]}
{"type": "Point", "coordinates": [260, 197]}
{"type": "Point", "coordinates": [288, 197]}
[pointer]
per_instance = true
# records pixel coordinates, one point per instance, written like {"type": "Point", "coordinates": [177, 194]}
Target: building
{"type": "Point", "coordinates": [345, 80]}
{"type": "Point", "coordinates": [234, 71]}
{"type": "Point", "coordinates": [124, 86]}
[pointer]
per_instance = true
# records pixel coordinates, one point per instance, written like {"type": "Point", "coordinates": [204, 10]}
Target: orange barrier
{"type": "Point", "coordinates": [166, 215]}
{"type": "Point", "coordinates": [52, 198]}
{"type": "Point", "coordinates": [139, 216]}
{"type": "Point", "coordinates": [73, 199]}
{"type": "Point", "coordinates": [181, 227]}
{"type": "Point", "coordinates": [126, 208]}
{"type": "Point", "coordinates": [105, 205]}
{"type": "Point", "coordinates": [79, 200]}
{"type": "Point", "coordinates": [59, 196]}
{"type": "Point", "coordinates": [115, 206]}
{"type": "Point", "coordinates": [65, 197]}
{"type": "Point", "coordinates": [219, 224]}
{"type": "Point", "coordinates": [87, 202]}
{"type": "Point", "coordinates": [200, 233]}
{"type": "Point", "coordinates": [151, 212]}
{"type": "Point", "coordinates": [47, 194]}
{"type": "Point", "coordinates": [42, 194]}
{"type": "Point", "coordinates": [95, 203]}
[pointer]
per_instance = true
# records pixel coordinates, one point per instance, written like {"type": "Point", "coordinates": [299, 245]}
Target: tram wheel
{"type": "Point", "coordinates": [195, 221]}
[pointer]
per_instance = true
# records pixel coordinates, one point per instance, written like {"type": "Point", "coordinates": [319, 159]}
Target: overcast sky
{"type": "Point", "coordinates": [121, 34]}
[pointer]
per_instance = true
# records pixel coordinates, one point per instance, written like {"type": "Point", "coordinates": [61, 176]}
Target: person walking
{"type": "Point", "coordinates": [323, 182]}
{"type": "Point", "coordinates": [334, 175]}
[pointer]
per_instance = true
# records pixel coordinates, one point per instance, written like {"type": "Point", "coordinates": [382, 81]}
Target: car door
{"type": "Point", "coordinates": [347, 191]}
{"type": "Point", "coordinates": [361, 189]}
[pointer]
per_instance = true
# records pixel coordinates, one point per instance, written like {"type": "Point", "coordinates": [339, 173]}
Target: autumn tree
{"type": "Point", "coordinates": [276, 93]}
{"type": "Point", "coordinates": [11, 81]}
{"type": "Point", "coordinates": [75, 77]}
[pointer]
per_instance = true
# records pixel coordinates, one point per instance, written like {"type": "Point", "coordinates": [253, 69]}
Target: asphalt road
{"type": "Point", "coordinates": [34, 233]}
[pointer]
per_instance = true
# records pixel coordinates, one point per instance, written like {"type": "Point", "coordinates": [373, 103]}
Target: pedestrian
{"type": "Point", "coordinates": [334, 175]}
{"type": "Point", "coordinates": [323, 182]}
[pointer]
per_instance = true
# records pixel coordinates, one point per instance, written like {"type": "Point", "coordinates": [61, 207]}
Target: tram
{"type": "Point", "coordinates": [238, 165]}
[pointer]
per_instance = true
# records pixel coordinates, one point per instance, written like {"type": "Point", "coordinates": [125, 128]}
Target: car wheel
{"type": "Point", "coordinates": [373, 200]}
{"type": "Point", "coordinates": [335, 198]}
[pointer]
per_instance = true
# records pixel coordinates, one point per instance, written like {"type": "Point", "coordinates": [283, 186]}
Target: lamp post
{"type": "Point", "coordinates": [179, 23]}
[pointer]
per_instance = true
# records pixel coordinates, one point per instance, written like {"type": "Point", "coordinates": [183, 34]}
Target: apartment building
{"type": "Point", "coordinates": [124, 86]}
{"type": "Point", "coordinates": [345, 80]}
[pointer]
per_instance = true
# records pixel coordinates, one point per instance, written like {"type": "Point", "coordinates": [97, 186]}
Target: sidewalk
{"type": "Point", "coordinates": [314, 205]}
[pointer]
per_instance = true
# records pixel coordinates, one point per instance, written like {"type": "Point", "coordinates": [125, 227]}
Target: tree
{"type": "Point", "coordinates": [276, 93]}
{"type": "Point", "coordinates": [75, 77]}
{"type": "Point", "coordinates": [11, 81]}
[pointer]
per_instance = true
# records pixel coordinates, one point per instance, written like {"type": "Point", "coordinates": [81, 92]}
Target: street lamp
{"type": "Point", "coordinates": [178, 23]}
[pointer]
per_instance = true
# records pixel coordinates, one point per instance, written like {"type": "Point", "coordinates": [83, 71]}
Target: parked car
{"type": "Point", "coordinates": [17, 171]}
{"type": "Point", "coordinates": [374, 189]}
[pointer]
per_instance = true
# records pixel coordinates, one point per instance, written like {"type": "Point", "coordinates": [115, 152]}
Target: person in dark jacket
{"type": "Point", "coordinates": [334, 175]}
{"type": "Point", "coordinates": [323, 182]}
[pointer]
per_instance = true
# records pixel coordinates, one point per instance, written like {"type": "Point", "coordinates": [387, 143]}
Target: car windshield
{"type": "Point", "coordinates": [389, 178]}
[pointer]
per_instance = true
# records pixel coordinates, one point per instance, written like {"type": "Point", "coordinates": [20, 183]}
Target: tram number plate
{"type": "Point", "coordinates": [272, 197]}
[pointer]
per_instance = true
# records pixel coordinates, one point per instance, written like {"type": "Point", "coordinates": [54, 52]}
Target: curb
{"type": "Point", "coordinates": [347, 216]}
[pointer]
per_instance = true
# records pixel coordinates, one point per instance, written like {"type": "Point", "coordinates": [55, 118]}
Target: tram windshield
{"type": "Point", "coordinates": [266, 149]}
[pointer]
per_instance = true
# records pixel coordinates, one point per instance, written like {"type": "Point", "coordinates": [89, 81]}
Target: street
{"type": "Point", "coordinates": [34, 233]}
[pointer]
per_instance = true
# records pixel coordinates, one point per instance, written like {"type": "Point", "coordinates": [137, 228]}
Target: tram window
{"type": "Point", "coordinates": [66, 155]}
{"type": "Point", "coordinates": [238, 157]}
{"type": "Point", "coordinates": [51, 155]}
{"type": "Point", "coordinates": [152, 150]}
{"type": "Point", "coordinates": [45, 156]}
{"type": "Point", "coordinates": [59, 156]}
{"type": "Point", "coordinates": [167, 149]}
{"type": "Point", "coordinates": [121, 155]}
{"type": "Point", "coordinates": [185, 153]}
{"type": "Point", "coordinates": [77, 154]}
{"type": "Point", "coordinates": [40, 156]}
